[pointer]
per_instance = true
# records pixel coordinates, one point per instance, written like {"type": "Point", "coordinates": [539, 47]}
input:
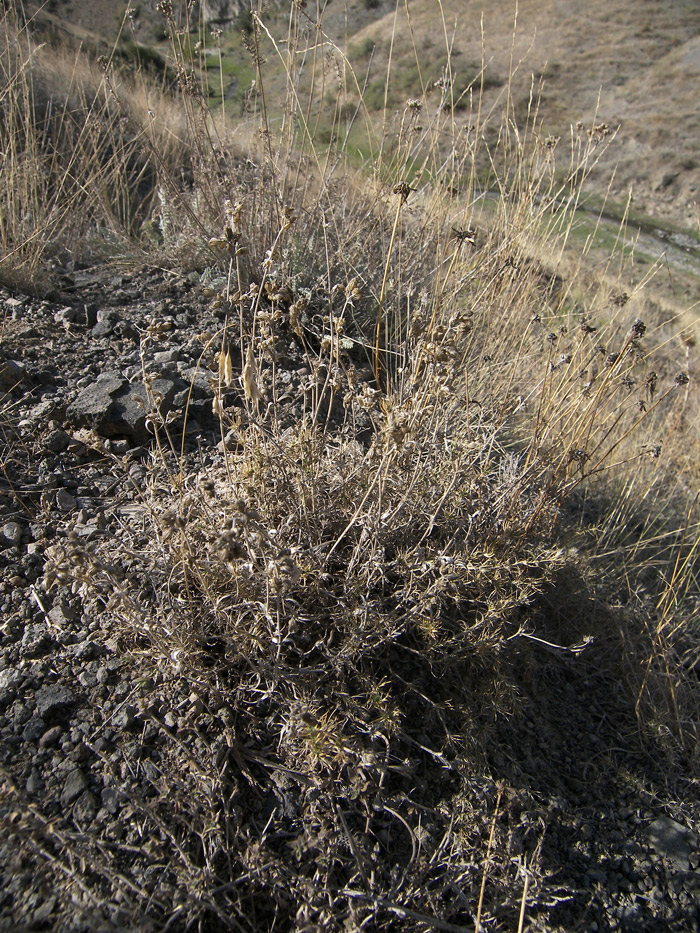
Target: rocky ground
{"type": "Point", "coordinates": [608, 824]}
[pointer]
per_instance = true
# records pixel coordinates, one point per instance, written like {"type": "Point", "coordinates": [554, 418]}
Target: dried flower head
{"type": "Point", "coordinates": [403, 189]}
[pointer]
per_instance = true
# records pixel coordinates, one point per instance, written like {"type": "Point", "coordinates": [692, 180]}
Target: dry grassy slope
{"type": "Point", "coordinates": [632, 63]}
{"type": "Point", "coordinates": [99, 20]}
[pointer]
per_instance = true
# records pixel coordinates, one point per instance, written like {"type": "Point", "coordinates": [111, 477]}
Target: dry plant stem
{"type": "Point", "coordinates": [523, 902]}
{"type": "Point", "coordinates": [401, 911]}
{"type": "Point", "coordinates": [487, 863]}
{"type": "Point", "coordinates": [382, 293]}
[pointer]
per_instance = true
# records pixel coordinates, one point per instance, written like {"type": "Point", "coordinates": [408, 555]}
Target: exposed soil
{"type": "Point", "coordinates": [584, 802]}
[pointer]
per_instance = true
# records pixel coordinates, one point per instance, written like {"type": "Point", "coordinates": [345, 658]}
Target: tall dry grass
{"type": "Point", "coordinates": [86, 151]}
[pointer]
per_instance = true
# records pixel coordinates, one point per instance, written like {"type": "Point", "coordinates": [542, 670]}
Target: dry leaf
{"type": "Point", "coordinates": [225, 368]}
{"type": "Point", "coordinates": [250, 379]}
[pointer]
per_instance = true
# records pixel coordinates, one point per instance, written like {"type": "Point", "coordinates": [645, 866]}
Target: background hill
{"type": "Point", "coordinates": [633, 64]}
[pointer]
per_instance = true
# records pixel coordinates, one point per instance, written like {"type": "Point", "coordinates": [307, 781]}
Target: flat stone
{"type": "Point", "coordinates": [672, 840]}
{"type": "Point", "coordinates": [34, 783]}
{"type": "Point", "coordinates": [35, 640]}
{"type": "Point", "coordinates": [74, 786]}
{"type": "Point", "coordinates": [111, 799]}
{"type": "Point", "coordinates": [61, 614]}
{"type": "Point", "coordinates": [53, 699]}
{"type": "Point", "coordinates": [166, 356]}
{"type": "Point", "coordinates": [112, 407]}
{"type": "Point", "coordinates": [65, 501]}
{"type": "Point", "coordinates": [85, 808]}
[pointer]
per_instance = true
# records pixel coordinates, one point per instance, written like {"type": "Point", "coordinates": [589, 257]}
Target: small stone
{"type": "Point", "coordinates": [119, 446]}
{"type": "Point", "coordinates": [11, 373]}
{"type": "Point", "coordinates": [150, 771]}
{"type": "Point", "coordinates": [107, 319]}
{"type": "Point", "coordinates": [125, 718]}
{"type": "Point", "coordinates": [111, 799]}
{"type": "Point", "coordinates": [42, 914]}
{"type": "Point", "coordinates": [85, 808]}
{"type": "Point", "coordinates": [65, 316]}
{"type": "Point", "coordinates": [57, 441]}
{"type": "Point", "coordinates": [74, 785]}
{"type": "Point", "coordinates": [166, 356]}
{"type": "Point", "coordinates": [10, 679]}
{"type": "Point", "coordinates": [34, 783]}
{"type": "Point", "coordinates": [12, 533]}
{"type": "Point", "coordinates": [34, 729]}
{"type": "Point", "coordinates": [35, 640]}
{"type": "Point", "coordinates": [65, 501]}
{"type": "Point", "coordinates": [53, 699]}
{"type": "Point", "coordinates": [50, 737]}
{"type": "Point", "coordinates": [61, 615]}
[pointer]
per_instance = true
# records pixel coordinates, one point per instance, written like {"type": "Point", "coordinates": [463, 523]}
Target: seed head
{"type": "Point", "coordinates": [403, 189]}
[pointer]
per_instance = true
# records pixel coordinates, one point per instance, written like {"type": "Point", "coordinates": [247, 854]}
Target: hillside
{"type": "Point", "coordinates": [349, 459]}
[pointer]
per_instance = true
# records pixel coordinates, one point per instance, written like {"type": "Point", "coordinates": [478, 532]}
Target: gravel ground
{"type": "Point", "coordinates": [610, 819]}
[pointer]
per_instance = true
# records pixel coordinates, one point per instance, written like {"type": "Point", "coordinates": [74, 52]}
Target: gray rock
{"type": "Point", "coordinates": [107, 320]}
{"type": "Point", "coordinates": [65, 316]}
{"type": "Point", "coordinates": [53, 699]}
{"type": "Point", "coordinates": [672, 840]}
{"type": "Point", "coordinates": [12, 373]}
{"type": "Point", "coordinates": [85, 808]}
{"type": "Point", "coordinates": [57, 440]}
{"type": "Point", "coordinates": [93, 406]}
{"type": "Point", "coordinates": [65, 501]}
{"type": "Point", "coordinates": [113, 407]}
{"type": "Point", "coordinates": [34, 783]}
{"type": "Point", "coordinates": [125, 718]}
{"type": "Point", "coordinates": [35, 640]}
{"type": "Point", "coordinates": [20, 714]}
{"type": "Point", "coordinates": [166, 356]}
{"type": "Point", "coordinates": [43, 913]}
{"type": "Point", "coordinates": [34, 729]}
{"type": "Point", "coordinates": [111, 799]}
{"type": "Point", "coordinates": [74, 786]}
{"type": "Point", "coordinates": [133, 406]}
{"type": "Point", "coordinates": [10, 679]}
{"type": "Point", "coordinates": [11, 533]}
